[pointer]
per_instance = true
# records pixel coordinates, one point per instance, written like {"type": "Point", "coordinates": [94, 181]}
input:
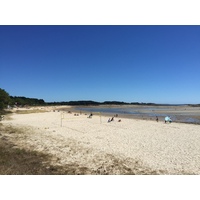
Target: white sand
{"type": "Point", "coordinates": [166, 148]}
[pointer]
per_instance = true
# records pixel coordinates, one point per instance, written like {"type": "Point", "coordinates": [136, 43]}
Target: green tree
{"type": "Point", "coordinates": [4, 99]}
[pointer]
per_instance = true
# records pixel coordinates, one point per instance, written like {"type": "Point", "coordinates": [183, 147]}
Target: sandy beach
{"type": "Point", "coordinates": [132, 146]}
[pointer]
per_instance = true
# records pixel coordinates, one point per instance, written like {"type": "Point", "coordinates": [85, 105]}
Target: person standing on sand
{"type": "Point", "coordinates": [156, 118]}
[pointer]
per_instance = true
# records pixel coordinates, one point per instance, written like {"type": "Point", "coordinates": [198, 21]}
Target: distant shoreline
{"type": "Point", "coordinates": [180, 114]}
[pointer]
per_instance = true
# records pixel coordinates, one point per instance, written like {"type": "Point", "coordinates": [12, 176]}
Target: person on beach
{"type": "Point", "coordinates": [112, 119]}
{"type": "Point", "coordinates": [90, 116]}
{"type": "Point", "coordinates": [156, 118]}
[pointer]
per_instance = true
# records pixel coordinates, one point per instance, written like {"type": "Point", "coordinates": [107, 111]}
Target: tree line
{"type": "Point", "coordinates": [6, 99]}
{"type": "Point", "coordinates": [96, 103]}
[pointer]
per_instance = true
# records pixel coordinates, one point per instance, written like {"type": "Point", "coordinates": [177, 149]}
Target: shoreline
{"type": "Point", "coordinates": [142, 116]}
{"type": "Point", "coordinates": [132, 146]}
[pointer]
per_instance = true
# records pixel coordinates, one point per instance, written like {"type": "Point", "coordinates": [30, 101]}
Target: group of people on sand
{"type": "Point", "coordinates": [167, 119]}
{"type": "Point", "coordinates": [109, 120]}
{"type": "Point", "coordinates": [112, 119]}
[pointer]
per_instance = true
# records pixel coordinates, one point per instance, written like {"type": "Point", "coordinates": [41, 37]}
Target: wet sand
{"type": "Point", "coordinates": [180, 114]}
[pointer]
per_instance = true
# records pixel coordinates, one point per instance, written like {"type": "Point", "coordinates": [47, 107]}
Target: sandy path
{"type": "Point", "coordinates": [166, 148]}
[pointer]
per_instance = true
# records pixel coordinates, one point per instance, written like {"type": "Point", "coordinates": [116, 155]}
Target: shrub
{"type": "Point", "coordinates": [4, 99]}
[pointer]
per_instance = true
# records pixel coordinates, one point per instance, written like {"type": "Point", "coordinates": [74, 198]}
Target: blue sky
{"type": "Point", "coordinates": [159, 64]}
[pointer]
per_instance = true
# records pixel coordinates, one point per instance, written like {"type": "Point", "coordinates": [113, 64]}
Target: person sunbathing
{"type": "Point", "coordinates": [90, 116]}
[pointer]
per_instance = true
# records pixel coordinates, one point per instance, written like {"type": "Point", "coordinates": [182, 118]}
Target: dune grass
{"type": "Point", "coordinates": [30, 111]}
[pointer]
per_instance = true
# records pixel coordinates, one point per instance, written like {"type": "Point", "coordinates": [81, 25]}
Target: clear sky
{"type": "Point", "coordinates": [159, 64]}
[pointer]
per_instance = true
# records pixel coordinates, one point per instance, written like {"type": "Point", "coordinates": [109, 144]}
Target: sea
{"type": "Point", "coordinates": [184, 114]}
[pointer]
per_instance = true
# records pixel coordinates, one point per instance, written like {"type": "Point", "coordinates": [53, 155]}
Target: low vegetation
{"type": "Point", "coordinates": [30, 111]}
{"type": "Point", "coordinates": [4, 99]}
{"type": "Point", "coordinates": [16, 161]}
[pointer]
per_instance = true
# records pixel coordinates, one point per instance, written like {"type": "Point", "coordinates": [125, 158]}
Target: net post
{"type": "Point", "coordinates": [62, 116]}
{"type": "Point", "coordinates": [100, 117]}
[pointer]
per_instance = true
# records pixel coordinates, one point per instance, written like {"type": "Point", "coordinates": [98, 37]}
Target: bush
{"type": "Point", "coordinates": [4, 99]}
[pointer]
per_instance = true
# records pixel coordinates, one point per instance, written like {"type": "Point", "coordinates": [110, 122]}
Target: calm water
{"type": "Point", "coordinates": [148, 112]}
